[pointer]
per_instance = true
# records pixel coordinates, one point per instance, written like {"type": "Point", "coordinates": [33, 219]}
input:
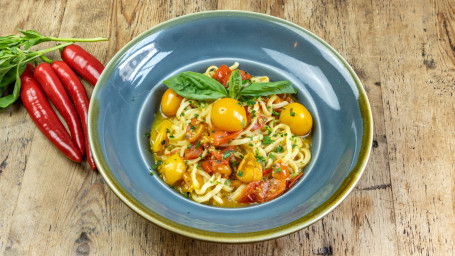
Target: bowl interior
{"type": "Point", "coordinates": [128, 94]}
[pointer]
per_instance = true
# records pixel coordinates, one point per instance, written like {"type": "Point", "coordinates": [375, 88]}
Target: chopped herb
{"type": "Point", "coordinates": [213, 131]}
{"type": "Point", "coordinates": [278, 149]}
{"type": "Point", "coordinates": [234, 164]}
{"type": "Point", "coordinates": [292, 113]}
{"type": "Point", "coordinates": [294, 145]}
{"type": "Point", "coordinates": [198, 143]}
{"type": "Point", "coordinates": [147, 134]}
{"type": "Point", "coordinates": [240, 173]}
{"type": "Point", "coordinates": [227, 182]}
{"type": "Point", "coordinates": [171, 136]}
{"type": "Point", "coordinates": [151, 173]}
{"type": "Point", "coordinates": [243, 123]}
{"type": "Point", "coordinates": [251, 144]}
{"type": "Point", "coordinates": [227, 154]}
{"type": "Point", "coordinates": [267, 140]}
{"type": "Point", "coordinates": [186, 162]}
{"type": "Point", "coordinates": [163, 142]}
{"type": "Point", "coordinates": [275, 135]}
{"type": "Point", "coordinates": [277, 170]}
{"type": "Point", "coordinates": [199, 165]}
{"type": "Point", "coordinates": [200, 156]}
{"type": "Point", "coordinates": [183, 114]}
{"type": "Point", "coordinates": [196, 115]}
{"type": "Point", "coordinates": [275, 113]}
{"type": "Point", "coordinates": [272, 156]}
{"type": "Point", "coordinates": [269, 129]}
{"type": "Point", "coordinates": [158, 163]}
{"type": "Point", "coordinates": [167, 130]}
{"type": "Point", "coordinates": [192, 127]}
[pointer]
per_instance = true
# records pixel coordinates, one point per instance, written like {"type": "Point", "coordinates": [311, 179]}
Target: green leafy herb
{"type": "Point", "coordinates": [268, 88]}
{"type": "Point", "coordinates": [277, 170]}
{"type": "Point", "coordinates": [240, 173]}
{"type": "Point", "coordinates": [235, 84]}
{"type": "Point", "coordinates": [227, 182]}
{"type": "Point", "coordinates": [13, 59]}
{"type": "Point", "coordinates": [227, 154]}
{"type": "Point", "coordinates": [147, 134]}
{"type": "Point", "coordinates": [196, 86]}
{"type": "Point", "coordinates": [275, 113]}
{"type": "Point", "coordinates": [291, 112]}
{"type": "Point", "coordinates": [267, 140]}
{"type": "Point", "coordinates": [278, 149]}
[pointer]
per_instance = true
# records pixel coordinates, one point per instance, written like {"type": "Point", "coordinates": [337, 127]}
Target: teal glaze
{"type": "Point", "coordinates": [128, 95]}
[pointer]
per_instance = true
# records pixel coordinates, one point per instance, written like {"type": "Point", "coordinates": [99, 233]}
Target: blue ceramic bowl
{"type": "Point", "coordinates": [128, 94]}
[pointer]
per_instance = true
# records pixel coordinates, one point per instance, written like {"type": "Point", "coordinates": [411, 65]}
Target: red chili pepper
{"type": "Point", "coordinates": [83, 63]}
{"type": "Point", "coordinates": [78, 95]}
{"type": "Point", "coordinates": [56, 93]}
{"type": "Point", "coordinates": [44, 117]}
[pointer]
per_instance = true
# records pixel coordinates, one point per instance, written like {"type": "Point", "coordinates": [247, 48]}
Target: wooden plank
{"type": "Point", "coordinates": [17, 130]}
{"type": "Point", "coordinates": [417, 79]}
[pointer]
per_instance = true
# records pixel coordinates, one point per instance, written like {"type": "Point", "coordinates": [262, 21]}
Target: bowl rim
{"type": "Point", "coordinates": [340, 194]}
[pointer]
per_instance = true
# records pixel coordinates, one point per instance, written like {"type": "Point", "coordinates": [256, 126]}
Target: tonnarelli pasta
{"type": "Point", "coordinates": [230, 139]}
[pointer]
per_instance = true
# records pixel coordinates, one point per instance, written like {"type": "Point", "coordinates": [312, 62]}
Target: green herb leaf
{"type": "Point", "coordinates": [267, 140]}
{"type": "Point", "coordinates": [227, 182]}
{"type": "Point", "coordinates": [196, 86]}
{"type": "Point", "coordinates": [268, 88]}
{"type": "Point", "coordinates": [277, 170]}
{"type": "Point", "coordinates": [235, 84]}
{"type": "Point", "coordinates": [240, 173]}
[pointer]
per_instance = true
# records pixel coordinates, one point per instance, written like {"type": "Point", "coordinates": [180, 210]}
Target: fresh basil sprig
{"type": "Point", "coordinates": [197, 86]}
{"type": "Point", "coordinates": [235, 84]}
{"type": "Point", "coordinates": [268, 88]}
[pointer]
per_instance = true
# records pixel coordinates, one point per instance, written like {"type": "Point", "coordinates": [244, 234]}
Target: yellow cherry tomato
{"type": "Point", "coordinates": [158, 136]}
{"type": "Point", "coordinates": [173, 169]}
{"type": "Point", "coordinates": [170, 102]}
{"type": "Point", "coordinates": [249, 169]}
{"type": "Point", "coordinates": [297, 117]}
{"type": "Point", "coordinates": [228, 115]}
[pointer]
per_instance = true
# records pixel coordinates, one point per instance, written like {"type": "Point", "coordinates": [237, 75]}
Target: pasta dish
{"type": "Point", "coordinates": [228, 138]}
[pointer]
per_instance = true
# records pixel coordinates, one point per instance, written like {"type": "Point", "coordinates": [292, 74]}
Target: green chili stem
{"type": "Point", "coordinates": [46, 59]}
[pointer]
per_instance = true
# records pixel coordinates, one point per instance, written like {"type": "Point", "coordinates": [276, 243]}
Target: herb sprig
{"type": "Point", "coordinates": [198, 86]}
{"type": "Point", "coordinates": [15, 54]}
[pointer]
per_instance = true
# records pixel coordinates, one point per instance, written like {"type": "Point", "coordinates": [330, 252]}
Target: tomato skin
{"type": "Point", "coordinates": [170, 102]}
{"type": "Point", "coordinates": [280, 170]}
{"type": "Point", "coordinates": [173, 169]}
{"type": "Point", "coordinates": [220, 137]}
{"type": "Point", "coordinates": [217, 166]}
{"type": "Point", "coordinates": [158, 138]}
{"type": "Point", "coordinates": [228, 115]}
{"type": "Point", "coordinates": [195, 130]}
{"type": "Point", "coordinates": [221, 167]}
{"type": "Point", "coordinates": [291, 183]}
{"type": "Point", "coordinates": [193, 152]}
{"type": "Point", "coordinates": [248, 195]}
{"type": "Point", "coordinates": [297, 117]}
{"type": "Point", "coordinates": [249, 169]}
{"type": "Point", "coordinates": [223, 73]}
{"type": "Point", "coordinates": [269, 189]}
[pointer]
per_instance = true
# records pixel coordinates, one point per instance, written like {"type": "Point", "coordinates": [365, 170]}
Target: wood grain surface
{"type": "Point", "coordinates": [403, 52]}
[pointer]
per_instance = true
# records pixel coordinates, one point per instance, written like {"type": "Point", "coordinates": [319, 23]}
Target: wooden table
{"type": "Point", "coordinates": [404, 53]}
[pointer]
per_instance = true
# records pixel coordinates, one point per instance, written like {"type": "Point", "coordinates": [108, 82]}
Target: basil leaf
{"type": "Point", "coordinates": [235, 84]}
{"type": "Point", "coordinates": [269, 88]}
{"type": "Point", "coordinates": [10, 99]}
{"type": "Point", "coordinates": [196, 86]}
